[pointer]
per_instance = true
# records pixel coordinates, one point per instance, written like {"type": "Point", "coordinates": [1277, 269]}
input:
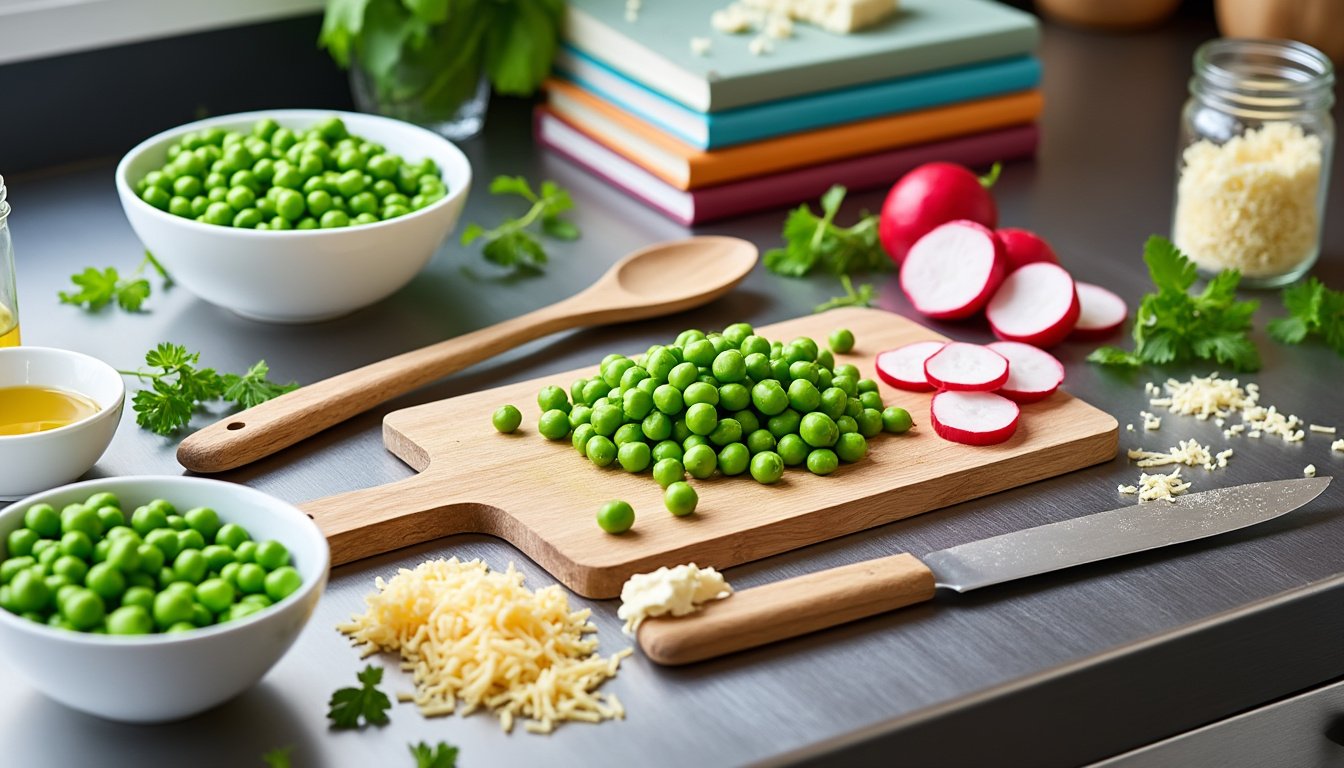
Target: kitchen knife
{"type": "Point", "coordinates": [827, 598]}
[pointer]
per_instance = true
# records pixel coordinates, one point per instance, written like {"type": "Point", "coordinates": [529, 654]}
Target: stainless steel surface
{"type": "Point", "coordinates": [1103, 658]}
{"type": "Point", "coordinates": [1125, 531]}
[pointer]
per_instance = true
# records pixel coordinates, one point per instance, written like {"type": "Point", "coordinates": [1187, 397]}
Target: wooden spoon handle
{"type": "Point", "coordinates": [787, 609]}
{"type": "Point", "coordinates": [277, 424]}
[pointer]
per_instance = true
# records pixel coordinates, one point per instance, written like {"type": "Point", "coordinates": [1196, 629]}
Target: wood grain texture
{"type": "Point", "coordinates": [541, 496]}
{"type": "Point", "coordinates": [788, 608]}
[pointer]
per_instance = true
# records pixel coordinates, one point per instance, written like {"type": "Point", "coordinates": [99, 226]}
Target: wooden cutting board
{"type": "Point", "coordinates": [541, 496]}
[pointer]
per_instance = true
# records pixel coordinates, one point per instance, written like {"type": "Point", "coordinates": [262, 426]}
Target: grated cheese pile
{"type": "Point", "coordinates": [677, 591]}
{"type": "Point", "coordinates": [1158, 487]}
{"type": "Point", "coordinates": [1338, 445]}
{"type": "Point", "coordinates": [1187, 452]}
{"type": "Point", "coordinates": [1309, 471]}
{"type": "Point", "coordinates": [1206, 397]}
{"type": "Point", "coordinates": [469, 633]}
{"type": "Point", "coordinates": [1250, 203]}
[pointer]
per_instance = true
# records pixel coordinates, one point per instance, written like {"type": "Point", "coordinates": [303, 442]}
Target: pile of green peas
{"type": "Point", "coordinates": [88, 568]}
{"type": "Point", "coordinates": [278, 178]}
{"type": "Point", "coordinates": [732, 403]}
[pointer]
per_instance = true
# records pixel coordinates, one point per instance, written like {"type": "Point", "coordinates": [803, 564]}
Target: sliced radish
{"type": "Point", "coordinates": [903, 367]}
{"type": "Point", "coordinates": [1037, 304]}
{"type": "Point", "coordinates": [1033, 373]}
{"type": "Point", "coordinates": [953, 270]}
{"type": "Point", "coordinates": [967, 367]}
{"type": "Point", "coordinates": [1101, 312]}
{"type": "Point", "coordinates": [973, 418]}
{"type": "Point", "coordinates": [1022, 247]}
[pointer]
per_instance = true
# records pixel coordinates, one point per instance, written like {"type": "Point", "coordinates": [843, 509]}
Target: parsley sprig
{"type": "Point", "coordinates": [440, 756]}
{"type": "Point", "coordinates": [817, 242]}
{"type": "Point", "coordinates": [178, 386]}
{"type": "Point", "coordinates": [863, 297]}
{"type": "Point", "coordinates": [1175, 326]}
{"type": "Point", "coordinates": [349, 705]}
{"type": "Point", "coordinates": [99, 288]}
{"type": "Point", "coordinates": [511, 244]}
{"type": "Point", "coordinates": [1313, 310]}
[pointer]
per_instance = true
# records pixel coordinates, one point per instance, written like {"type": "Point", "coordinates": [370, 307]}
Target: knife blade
{"type": "Point", "coordinates": [827, 598]}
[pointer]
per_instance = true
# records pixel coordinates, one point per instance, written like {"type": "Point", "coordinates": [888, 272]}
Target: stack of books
{"type": "Point", "coordinates": [703, 125]}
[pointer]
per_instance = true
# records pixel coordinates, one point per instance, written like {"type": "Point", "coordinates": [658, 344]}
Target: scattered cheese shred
{"type": "Point", "coordinates": [469, 633]}
{"type": "Point", "coordinates": [700, 46]}
{"type": "Point", "coordinates": [760, 45]}
{"type": "Point", "coordinates": [1187, 452]}
{"type": "Point", "coordinates": [1150, 422]}
{"type": "Point", "coordinates": [1322, 429]}
{"type": "Point", "coordinates": [1126, 489]}
{"type": "Point", "coordinates": [1250, 203]}
{"type": "Point", "coordinates": [1309, 471]}
{"type": "Point", "coordinates": [1206, 397]}
{"type": "Point", "coordinates": [1338, 445]}
{"type": "Point", "coordinates": [1161, 487]}
{"type": "Point", "coordinates": [677, 591]}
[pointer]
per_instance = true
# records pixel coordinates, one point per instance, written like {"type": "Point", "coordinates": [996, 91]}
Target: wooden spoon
{"type": "Point", "coordinates": [658, 280]}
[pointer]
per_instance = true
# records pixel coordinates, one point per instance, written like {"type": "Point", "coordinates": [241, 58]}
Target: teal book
{"type": "Point", "coordinates": [653, 48]}
{"type": "Point", "coordinates": [712, 130]}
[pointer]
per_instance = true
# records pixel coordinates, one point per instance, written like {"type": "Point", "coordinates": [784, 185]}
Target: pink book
{"type": "Point", "coordinates": [780, 189]}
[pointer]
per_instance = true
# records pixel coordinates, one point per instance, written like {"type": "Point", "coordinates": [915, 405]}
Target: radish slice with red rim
{"type": "Point", "coordinates": [1037, 304]}
{"type": "Point", "coordinates": [903, 367]}
{"type": "Point", "coordinates": [973, 418]}
{"type": "Point", "coordinates": [1100, 314]}
{"type": "Point", "coordinates": [966, 367]}
{"type": "Point", "coordinates": [1033, 373]}
{"type": "Point", "coordinates": [953, 270]}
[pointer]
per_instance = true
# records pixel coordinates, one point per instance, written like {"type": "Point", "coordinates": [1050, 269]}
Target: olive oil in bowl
{"type": "Point", "coordinates": [26, 410]}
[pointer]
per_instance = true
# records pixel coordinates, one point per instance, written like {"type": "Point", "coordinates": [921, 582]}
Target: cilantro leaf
{"type": "Point", "coordinates": [511, 244]}
{"type": "Point", "coordinates": [178, 386]}
{"type": "Point", "coordinates": [1173, 325]}
{"type": "Point", "coordinates": [441, 756]}
{"type": "Point", "coordinates": [863, 297]}
{"type": "Point", "coordinates": [349, 705]}
{"type": "Point", "coordinates": [253, 388]}
{"type": "Point", "coordinates": [99, 288]}
{"type": "Point", "coordinates": [278, 757]}
{"type": "Point", "coordinates": [1313, 309]}
{"type": "Point", "coordinates": [812, 242]}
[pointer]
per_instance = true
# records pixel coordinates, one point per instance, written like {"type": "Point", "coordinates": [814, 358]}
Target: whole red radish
{"type": "Point", "coordinates": [933, 194]}
{"type": "Point", "coordinates": [1023, 247]}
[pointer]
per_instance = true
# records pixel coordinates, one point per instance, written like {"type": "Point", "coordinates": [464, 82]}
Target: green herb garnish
{"type": "Point", "coordinates": [178, 386]}
{"type": "Point", "coordinates": [1175, 326]}
{"type": "Point", "coordinates": [98, 288]}
{"type": "Point", "coordinates": [863, 297]}
{"type": "Point", "coordinates": [813, 242]}
{"type": "Point", "coordinates": [1313, 309]}
{"type": "Point", "coordinates": [278, 757]}
{"type": "Point", "coordinates": [441, 756]}
{"type": "Point", "coordinates": [349, 705]}
{"type": "Point", "coordinates": [511, 244]}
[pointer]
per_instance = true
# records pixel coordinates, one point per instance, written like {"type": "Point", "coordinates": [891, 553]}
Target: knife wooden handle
{"type": "Point", "coordinates": [787, 609]}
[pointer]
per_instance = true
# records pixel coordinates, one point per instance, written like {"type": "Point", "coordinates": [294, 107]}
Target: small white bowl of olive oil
{"type": "Point", "coordinates": [58, 413]}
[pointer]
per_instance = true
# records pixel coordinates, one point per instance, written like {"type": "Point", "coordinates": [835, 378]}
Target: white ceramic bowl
{"type": "Point", "coordinates": [294, 276]}
{"type": "Point", "coordinates": [158, 678]}
{"type": "Point", "coordinates": [34, 462]}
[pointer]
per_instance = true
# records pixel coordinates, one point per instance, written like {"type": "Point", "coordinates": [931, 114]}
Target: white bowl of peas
{"type": "Point", "coordinates": [294, 216]}
{"type": "Point", "coordinates": [151, 599]}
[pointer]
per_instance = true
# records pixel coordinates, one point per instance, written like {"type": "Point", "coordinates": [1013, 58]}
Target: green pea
{"type": "Point", "coordinates": [245, 552]}
{"type": "Point", "coordinates": [83, 609]}
{"type": "Point", "coordinates": [364, 218]}
{"type": "Point", "coordinates": [307, 222]}
{"type": "Point", "coordinates": [616, 516]}
{"type": "Point", "coordinates": [726, 431]}
{"type": "Point", "coordinates": [251, 578]}
{"type": "Point", "coordinates": [180, 206]}
{"type": "Point", "coordinates": [702, 418]}
{"type": "Point", "coordinates": [729, 366]}
{"type": "Point", "coordinates": [350, 183]}
{"type": "Point", "coordinates": [579, 439]}
{"type": "Point", "coordinates": [803, 396]}
{"type": "Point", "coordinates": [833, 402]}
{"type": "Point", "coordinates": [785, 423]}
{"type": "Point", "coordinates": [393, 211]}
{"type": "Point", "coordinates": [249, 218]}
{"type": "Point", "coordinates": [240, 198]}
{"type": "Point", "coordinates": [851, 447]}
{"type": "Point", "coordinates": [819, 430]}
{"type": "Point", "coordinates": [151, 558]}
{"type": "Point", "coordinates": [822, 461]}
{"type": "Point", "coordinates": [28, 592]}
{"type": "Point", "coordinates": [106, 581]}
{"type": "Point", "coordinates": [177, 522]}
{"type": "Point", "coordinates": [77, 544]}
{"type": "Point", "coordinates": [848, 369]}
{"type": "Point", "coordinates": [871, 400]}
{"type": "Point", "coordinates": [896, 420]}
{"type": "Point", "coordinates": [507, 418]}
{"type": "Point", "coordinates": [683, 375]}
{"type": "Point", "coordinates": [595, 390]}
{"type": "Point", "coordinates": [171, 607]}
{"type": "Point", "coordinates": [334, 220]}
{"type": "Point", "coordinates": [668, 471]}
{"type": "Point", "coordinates": [166, 541]}
{"type": "Point", "coordinates": [760, 440]}
{"type": "Point", "coordinates": [20, 542]}
{"type": "Point", "coordinates": [215, 594]}
{"type": "Point", "coordinates": [77, 517]}
{"type": "Point", "coordinates": [853, 407]}
{"type": "Point", "coordinates": [634, 456]}
{"type": "Point", "coordinates": [218, 213]}
{"type": "Point", "coordinates": [846, 424]}
{"type": "Point", "coordinates": [111, 518]}
{"type": "Point", "coordinates": [767, 467]}
{"type": "Point", "coordinates": [733, 459]}
{"type": "Point", "coordinates": [157, 197]}
{"type": "Point", "coordinates": [124, 555]}
{"type": "Point", "coordinates": [825, 360]}
{"type": "Point", "coordinates": [748, 419]}
{"type": "Point", "coordinates": [600, 450]}
{"type": "Point", "coordinates": [319, 202]}
{"type": "Point", "coordinates": [769, 397]}
{"type": "Point", "coordinates": [667, 449]}
{"type": "Point", "coordinates": [680, 498]}
{"type": "Point", "coordinates": [700, 461]}
{"type": "Point", "coordinates": [43, 519]}
{"type": "Point", "coordinates": [632, 376]}
{"type": "Point", "coordinates": [681, 433]}
{"type": "Point", "coordinates": [754, 345]}
{"type": "Point", "coordinates": [130, 620]}
{"type": "Point", "coordinates": [100, 550]}
{"type": "Point", "coordinates": [141, 596]}
{"type": "Point", "coordinates": [272, 554]}
{"type": "Point", "coordinates": [869, 422]}
{"type": "Point", "coordinates": [656, 426]}
{"type": "Point", "coordinates": [841, 340]}
{"type": "Point", "coordinates": [700, 392]}
{"type": "Point", "coordinates": [628, 433]}
{"type": "Point", "coordinates": [72, 568]}
{"type": "Point", "coordinates": [282, 582]}
{"type": "Point", "coordinates": [229, 572]}
{"type": "Point", "coordinates": [554, 425]}
{"type": "Point", "coordinates": [606, 418]}
{"type": "Point", "coordinates": [668, 399]}
{"type": "Point", "coordinates": [734, 397]}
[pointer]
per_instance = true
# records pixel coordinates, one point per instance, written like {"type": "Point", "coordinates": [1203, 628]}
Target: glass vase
{"type": "Point", "coordinates": [450, 103]}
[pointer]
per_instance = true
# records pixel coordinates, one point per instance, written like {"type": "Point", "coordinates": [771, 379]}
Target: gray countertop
{"type": "Point", "coordinates": [1101, 185]}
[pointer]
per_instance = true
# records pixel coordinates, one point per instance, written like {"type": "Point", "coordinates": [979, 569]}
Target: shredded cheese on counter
{"type": "Point", "coordinates": [469, 633]}
{"type": "Point", "coordinates": [1187, 452]}
{"type": "Point", "coordinates": [677, 591]}
{"type": "Point", "coordinates": [1338, 445]}
{"type": "Point", "coordinates": [1157, 487]}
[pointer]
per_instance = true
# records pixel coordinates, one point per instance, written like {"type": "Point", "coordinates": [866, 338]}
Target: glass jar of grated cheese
{"type": "Point", "coordinates": [1253, 167]}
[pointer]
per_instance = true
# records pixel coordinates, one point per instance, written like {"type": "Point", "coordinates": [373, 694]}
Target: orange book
{"type": "Point", "coordinates": [687, 167]}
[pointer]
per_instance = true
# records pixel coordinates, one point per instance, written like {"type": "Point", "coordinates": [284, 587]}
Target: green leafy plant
{"type": "Point", "coordinates": [433, 52]}
{"type": "Point", "coordinates": [178, 386]}
{"type": "Point", "coordinates": [99, 288]}
{"type": "Point", "coordinates": [863, 297]}
{"type": "Point", "coordinates": [349, 705]}
{"type": "Point", "coordinates": [816, 242]}
{"type": "Point", "coordinates": [441, 756]}
{"type": "Point", "coordinates": [511, 244]}
{"type": "Point", "coordinates": [1313, 310]}
{"type": "Point", "coordinates": [1173, 325]}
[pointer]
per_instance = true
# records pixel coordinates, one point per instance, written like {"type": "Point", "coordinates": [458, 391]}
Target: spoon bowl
{"type": "Point", "coordinates": [660, 279]}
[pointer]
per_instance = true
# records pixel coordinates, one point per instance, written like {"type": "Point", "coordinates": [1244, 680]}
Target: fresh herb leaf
{"type": "Point", "coordinates": [98, 288]}
{"type": "Point", "coordinates": [349, 705]}
{"type": "Point", "coordinates": [278, 758]}
{"type": "Point", "coordinates": [511, 244]}
{"type": "Point", "coordinates": [1313, 309]}
{"type": "Point", "coordinates": [863, 297]}
{"type": "Point", "coordinates": [441, 756]}
{"type": "Point", "coordinates": [178, 386]}
{"type": "Point", "coordinates": [816, 242]}
{"type": "Point", "coordinates": [1173, 325]}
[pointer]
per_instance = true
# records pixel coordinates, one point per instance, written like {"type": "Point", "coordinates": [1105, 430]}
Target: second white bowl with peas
{"type": "Point", "coordinates": [294, 275]}
{"type": "Point", "coordinates": [78, 634]}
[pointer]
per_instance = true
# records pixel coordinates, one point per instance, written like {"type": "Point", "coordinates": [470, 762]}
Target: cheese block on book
{"type": "Point", "coordinates": [686, 167]}
{"type": "Point", "coordinates": [920, 36]}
